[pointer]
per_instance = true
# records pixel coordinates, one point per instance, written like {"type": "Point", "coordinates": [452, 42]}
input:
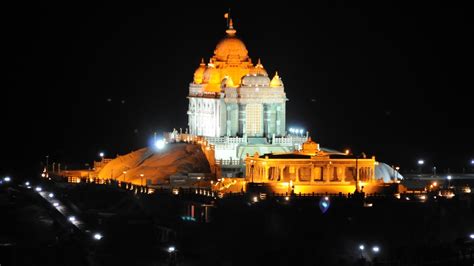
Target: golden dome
{"type": "Point", "coordinates": [231, 47]}
{"type": "Point", "coordinates": [212, 78]}
{"type": "Point", "coordinates": [199, 73]}
{"type": "Point", "coordinates": [276, 81]}
{"type": "Point", "coordinates": [228, 82]}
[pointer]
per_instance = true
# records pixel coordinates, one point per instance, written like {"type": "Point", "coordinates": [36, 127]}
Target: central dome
{"type": "Point", "coordinates": [231, 48]}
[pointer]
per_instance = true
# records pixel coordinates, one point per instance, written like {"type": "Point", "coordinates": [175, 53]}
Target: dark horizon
{"type": "Point", "coordinates": [390, 82]}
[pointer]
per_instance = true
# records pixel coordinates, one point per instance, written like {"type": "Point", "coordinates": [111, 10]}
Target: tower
{"type": "Point", "coordinates": [232, 97]}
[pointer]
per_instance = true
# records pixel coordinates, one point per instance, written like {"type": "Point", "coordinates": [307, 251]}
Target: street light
{"type": "Point", "coordinates": [471, 236]}
{"type": "Point", "coordinates": [124, 173]}
{"type": "Point", "coordinates": [361, 247]}
{"type": "Point", "coordinates": [97, 236]}
{"type": "Point", "coordinates": [449, 180]}
{"type": "Point", "coordinates": [420, 164]}
{"type": "Point", "coordinates": [7, 179]}
{"type": "Point", "coordinates": [376, 249]}
{"type": "Point", "coordinates": [398, 169]}
{"type": "Point", "coordinates": [141, 179]}
{"type": "Point", "coordinates": [101, 155]}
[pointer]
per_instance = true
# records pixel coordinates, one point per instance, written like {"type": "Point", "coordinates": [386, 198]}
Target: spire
{"type": "Point", "coordinates": [202, 62]}
{"type": "Point", "coordinates": [259, 64]}
{"type": "Point", "coordinates": [230, 24]}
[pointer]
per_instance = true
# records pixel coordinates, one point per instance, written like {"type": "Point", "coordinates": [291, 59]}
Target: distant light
{"type": "Point", "coordinates": [421, 162]}
{"type": "Point", "coordinates": [407, 198]}
{"type": "Point", "coordinates": [291, 130]}
{"type": "Point", "coordinates": [347, 151]}
{"type": "Point", "coordinates": [397, 168]}
{"type": "Point", "coordinates": [471, 236]}
{"type": "Point", "coordinates": [97, 236]}
{"type": "Point", "coordinates": [43, 175]}
{"type": "Point", "coordinates": [101, 154]}
{"type": "Point", "coordinates": [325, 204]}
{"type": "Point", "coordinates": [72, 218]}
{"type": "Point", "coordinates": [51, 195]}
{"type": "Point", "coordinates": [361, 247]}
{"type": "Point", "coordinates": [435, 184]}
{"type": "Point", "coordinates": [422, 197]}
{"type": "Point", "coordinates": [255, 199]}
{"type": "Point", "coordinates": [449, 177]}
{"type": "Point", "coordinates": [472, 161]}
{"type": "Point", "coordinates": [38, 189]}
{"type": "Point", "coordinates": [7, 179]}
{"type": "Point", "coordinates": [376, 249]}
{"type": "Point", "coordinates": [171, 249]}
{"type": "Point", "coordinates": [27, 183]}
{"type": "Point", "coordinates": [287, 198]}
{"type": "Point", "coordinates": [55, 204]}
{"type": "Point", "coordinates": [160, 144]}
{"type": "Point", "coordinates": [28, 187]}
{"type": "Point", "coordinates": [326, 198]}
{"type": "Point", "coordinates": [301, 131]}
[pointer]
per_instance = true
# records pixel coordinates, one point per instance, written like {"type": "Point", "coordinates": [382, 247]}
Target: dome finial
{"type": "Point", "coordinates": [202, 62]}
{"type": "Point", "coordinates": [230, 24]}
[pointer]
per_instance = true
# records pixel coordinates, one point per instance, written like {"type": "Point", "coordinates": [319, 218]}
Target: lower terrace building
{"type": "Point", "coordinates": [312, 170]}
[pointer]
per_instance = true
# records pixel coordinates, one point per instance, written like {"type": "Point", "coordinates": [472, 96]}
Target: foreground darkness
{"type": "Point", "coordinates": [269, 232]}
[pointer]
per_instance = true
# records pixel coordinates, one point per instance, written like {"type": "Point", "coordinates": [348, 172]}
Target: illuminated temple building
{"type": "Point", "coordinates": [235, 105]}
{"type": "Point", "coordinates": [238, 111]}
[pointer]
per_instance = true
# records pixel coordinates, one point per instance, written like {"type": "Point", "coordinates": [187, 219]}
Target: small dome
{"type": "Point", "coordinates": [212, 78]}
{"type": "Point", "coordinates": [227, 82]}
{"type": "Point", "coordinates": [258, 69]}
{"type": "Point", "coordinates": [211, 74]}
{"type": "Point", "coordinates": [253, 80]}
{"type": "Point", "coordinates": [276, 81]}
{"type": "Point", "coordinates": [199, 73]}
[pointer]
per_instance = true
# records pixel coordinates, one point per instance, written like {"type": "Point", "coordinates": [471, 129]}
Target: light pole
{"type": "Point", "coordinates": [449, 180]}
{"type": "Point", "coordinates": [434, 171]}
{"type": "Point", "coordinates": [47, 163]}
{"type": "Point", "coordinates": [397, 168]}
{"type": "Point", "coordinates": [420, 165]}
{"type": "Point", "coordinates": [141, 179]}
{"type": "Point", "coordinates": [124, 173]}
{"type": "Point", "coordinates": [101, 155]}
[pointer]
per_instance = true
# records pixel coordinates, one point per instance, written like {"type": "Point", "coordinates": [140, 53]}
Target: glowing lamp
{"type": "Point", "coordinates": [160, 144]}
{"type": "Point", "coordinates": [7, 179]}
{"type": "Point", "coordinates": [171, 249]}
{"type": "Point", "coordinates": [376, 249]}
{"type": "Point", "coordinates": [361, 247]}
{"type": "Point", "coordinates": [72, 218]}
{"type": "Point", "coordinates": [97, 236]}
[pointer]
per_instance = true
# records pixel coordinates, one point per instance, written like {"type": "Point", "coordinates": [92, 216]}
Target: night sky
{"type": "Point", "coordinates": [389, 81]}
